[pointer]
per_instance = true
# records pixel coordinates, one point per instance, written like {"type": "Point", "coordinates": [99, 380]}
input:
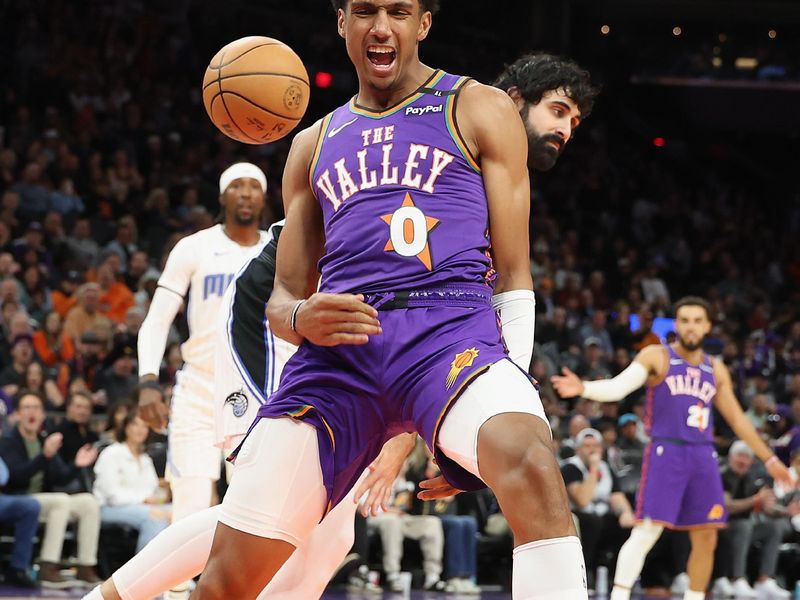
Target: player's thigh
{"type": "Point", "coordinates": [704, 499]}
{"type": "Point", "coordinates": [502, 390]}
{"type": "Point", "coordinates": [663, 484]}
{"type": "Point", "coordinates": [191, 449]}
{"type": "Point", "coordinates": [277, 490]}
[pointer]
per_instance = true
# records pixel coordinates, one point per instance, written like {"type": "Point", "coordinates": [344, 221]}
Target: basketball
{"type": "Point", "coordinates": [256, 90]}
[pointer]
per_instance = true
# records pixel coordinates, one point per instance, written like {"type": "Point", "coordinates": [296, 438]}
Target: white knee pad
{"type": "Point", "coordinates": [502, 389]}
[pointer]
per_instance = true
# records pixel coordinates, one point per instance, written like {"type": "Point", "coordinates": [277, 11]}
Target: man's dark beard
{"type": "Point", "coordinates": [541, 155]}
{"type": "Point", "coordinates": [690, 347]}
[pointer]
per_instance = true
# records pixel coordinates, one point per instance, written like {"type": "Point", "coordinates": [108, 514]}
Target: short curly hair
{"type": "Point", "coordinates": [535, 74]}
{"type": "Point", "coordinates": [431, 6]}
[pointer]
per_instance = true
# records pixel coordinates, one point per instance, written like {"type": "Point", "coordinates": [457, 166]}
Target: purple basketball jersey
{"type": "Point", "coordinates": [399, 211]}
{"type": "Point", "coordinates": [679, 408]}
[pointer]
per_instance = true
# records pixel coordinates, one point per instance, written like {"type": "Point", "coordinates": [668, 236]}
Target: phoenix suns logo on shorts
{"type": "Point", "coordinates": [238, 402]}
{"type": "Point", "coordinates": [460, 362]}
{"type": "Point", "coordinates": [716, 512]}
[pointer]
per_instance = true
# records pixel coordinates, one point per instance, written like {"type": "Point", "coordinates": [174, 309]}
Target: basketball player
{"type": "Point", "coordinates": [391, 196]}
{"type": "Point", "coordinates": [552, 95]}
{"type": "Point", "coordinates": [681, 487]}
{"type": "Point", "coordinates": [204, 264]}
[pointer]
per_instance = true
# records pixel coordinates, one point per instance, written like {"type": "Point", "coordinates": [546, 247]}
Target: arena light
{"type": "Point", "coordinates": [323, 79]}
{"type": "Point", "coordinates": [659, 142]}
{"type": "Point", "coordinates": [677, 31]}
{"type": "Point", "coordinates": [746, 63]}
{"type": "Point", "coordinates": [772, 34]}
{"type": "Point", "coordinates": [605, 30]}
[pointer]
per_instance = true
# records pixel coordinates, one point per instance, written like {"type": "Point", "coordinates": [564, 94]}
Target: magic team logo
{"type": "Point", "coordinates": [238, 401]}
{"type": "Point", "coordinates": [460, 362]}
{"type": "Point", "coordinates": [408, 232]}
{"type": "Point", "coordinates": [716, 512]}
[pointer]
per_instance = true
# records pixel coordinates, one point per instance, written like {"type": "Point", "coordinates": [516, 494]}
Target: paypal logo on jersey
{"type": "Point", "coordinates": [418, 111]}
{"type": "Point", "coordinates": [216, 284]}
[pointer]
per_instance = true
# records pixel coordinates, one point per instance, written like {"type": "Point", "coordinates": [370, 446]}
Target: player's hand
{"type": "Point", "coordinates": [153, 410]}
{"type": "Point", "coordinates": [778, 471]}
{"type": "Point", "coordinates": [51, 444]}
{"type": "Point", "coordinates": [333, 319]}
{"type": "Point", "coordinates": [436, 489]}
{"type": "Point", "coordinates": [627, 519]}
{"type": "Point", "coordinates": [85, 456]}
{"type": "Point", "coordinates": [567, 385]}
{"type": "Point", "coordinates": [382, 473]}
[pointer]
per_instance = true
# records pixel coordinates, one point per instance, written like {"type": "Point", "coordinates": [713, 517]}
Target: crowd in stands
{"type": "Point", "coordinates": [107, 159]}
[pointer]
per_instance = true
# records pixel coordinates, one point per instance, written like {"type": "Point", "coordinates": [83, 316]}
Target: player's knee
{"type": "Point", "coordinates": [705, 539]}
{"type": "Point", "coordinates": [215, 584]}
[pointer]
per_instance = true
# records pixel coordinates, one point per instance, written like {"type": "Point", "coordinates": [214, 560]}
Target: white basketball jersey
{"type": "Point", "coordinates": [204, 263]}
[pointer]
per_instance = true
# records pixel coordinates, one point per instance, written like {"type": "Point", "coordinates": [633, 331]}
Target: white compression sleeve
{"type": "Point", "coordinates": [176, 554]}
{"type": "Point", "coordinates": [612, 390]}
{"type": "Point", "coordinates": [517, 310]}
{"type": "Point", "coordinates": [155, 328]}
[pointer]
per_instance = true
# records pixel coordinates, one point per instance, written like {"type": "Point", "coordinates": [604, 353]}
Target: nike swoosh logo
{"type": "Point", "coordinates": [336, 130]}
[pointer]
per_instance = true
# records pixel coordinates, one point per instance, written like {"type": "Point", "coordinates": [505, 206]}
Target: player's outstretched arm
{"type": "Point", "coordinates": [294, 311]}
{"type": "Point", "coordinates": [731, 411]}
{"type": "Point", "coordinates": [648, 364]}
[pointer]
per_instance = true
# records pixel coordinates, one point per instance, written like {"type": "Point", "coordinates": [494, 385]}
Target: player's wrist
{"type": "Point", "coordinates": [293, 315]}
{"type": "Point", "coordinates": [771, 461]}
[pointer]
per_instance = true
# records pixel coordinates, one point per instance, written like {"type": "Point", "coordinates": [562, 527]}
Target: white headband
{"type": "Point", "coordinates": [240, 170]}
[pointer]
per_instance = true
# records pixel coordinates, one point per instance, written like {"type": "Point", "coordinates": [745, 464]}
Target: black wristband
{"type": "Point", "coordinates": [150, 385]}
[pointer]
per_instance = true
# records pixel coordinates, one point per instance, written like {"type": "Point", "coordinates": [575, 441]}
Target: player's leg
{"type": "Point", "coordinates": [701, 562]}
{"type": "Point", "coordinates": [631, 557]}
{"type": "Point", "coordinates": [193, 461]}
{"type": "Point", "coordinates": [275, 500]}
{"type": "Point", "coordinates": [308, 571]}
{"type": "Point", "coordinates": [702, 511]}
{"type": "Point", "coordinates": [175, 555]}
{"type": "Point", "coordinates": [498, 431]}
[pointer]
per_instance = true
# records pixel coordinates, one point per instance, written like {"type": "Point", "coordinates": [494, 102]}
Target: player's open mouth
{"type": "Point", "coordinates": [381, 56]}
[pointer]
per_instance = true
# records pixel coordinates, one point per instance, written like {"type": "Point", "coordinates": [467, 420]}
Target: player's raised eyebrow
{"type": "Point", "coordinates": [404, 4]}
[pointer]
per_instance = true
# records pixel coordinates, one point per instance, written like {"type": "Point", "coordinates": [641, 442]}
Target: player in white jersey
{"type": "Point", "coordinates": [201, 265]}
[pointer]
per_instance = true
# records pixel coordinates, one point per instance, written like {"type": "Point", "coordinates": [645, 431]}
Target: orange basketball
{"type": "Point", "coordinates": [256, 90]}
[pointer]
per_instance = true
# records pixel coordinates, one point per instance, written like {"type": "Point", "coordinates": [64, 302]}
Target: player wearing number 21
{"type": "Point", "coordinates": [681, 486]}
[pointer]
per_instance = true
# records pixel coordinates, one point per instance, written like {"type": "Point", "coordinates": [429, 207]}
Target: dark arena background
{"type": "Point", "coordinates": [683, 180]}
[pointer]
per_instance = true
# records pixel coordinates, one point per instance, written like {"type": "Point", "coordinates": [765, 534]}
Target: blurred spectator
{"type": "Point", "coordinates": [596, 330]}
{"type": "Point", "coordinates": [75, 427]}
{"type": "Point", "coordinates": [760, 409]}
{"type": "Point", "coordinates": [603, 512]}
{"type": "Point", "coordinates": [35, 468]}
{"type": "Point", "coordinates": [86, 363]}
{"type": "Point", "coordinates": [593, 364]}
{"type": "Point", "coordinates": [12, 378]}
{"type": "Point", "coordinates": [460, 531]}
{"type": "Point", "coordinates": [119, 379]}
{"type": "Point", "coordinates": [116, 416]}
{"type": "Point", "coordinates": [115, 297]}
{"type": "Point", "coordinates": [37, 380]}
{"type": "Point", "coordinates": [138, 265]}
{"type": "Point", "coordinates": [51, 344]}
{"type": "Point", "coordinates": [36, 295]}
{"type": "Point", "coordinates": [82, 244]}
{"type": "Point", "coordinates": [64, 297]}
{"type": "Point", "coordinates": [33, 195]}
{"type": "Point", "coordinates": [32, 242]}
{"type": "Point", "coordinates": [754, 516]}
{"type": "Point", "coordinates": [85, 315]}
{"type": "Point", "coordinates": [124, 243]}
{"type": "Point", "coordinates": [644, 336]}
{"type": "Point", "coordinates": [23, 513]}
{"type": "Point", "coordinates": [126, 484]}
{"type": "Point", "coordinates": [396, 524]}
